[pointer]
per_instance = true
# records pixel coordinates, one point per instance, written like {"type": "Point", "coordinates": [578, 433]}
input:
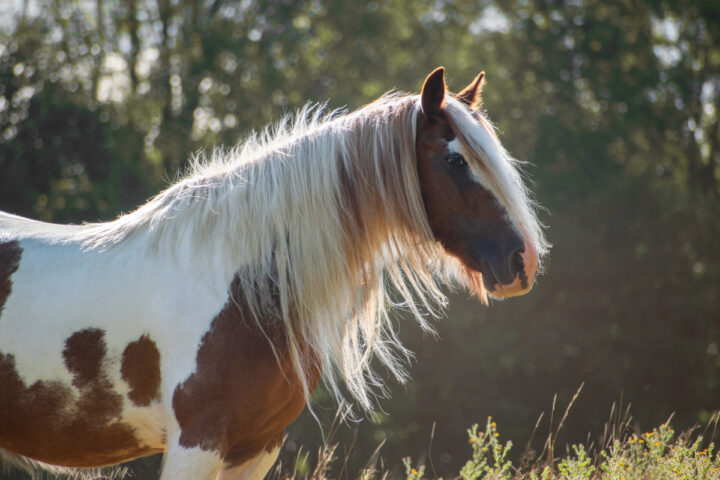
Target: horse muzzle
{"type": "Point", "coordinates": [508, 264]}
{"type": "Point", "coordinates": [514, 273]}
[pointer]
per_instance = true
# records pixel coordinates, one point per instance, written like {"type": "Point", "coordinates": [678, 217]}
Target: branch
{"type": "Point", "coordinates": [133, 26]}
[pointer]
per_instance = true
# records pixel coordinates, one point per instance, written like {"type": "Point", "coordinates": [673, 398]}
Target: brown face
{"type": "Point", "coordinates": [465, 217]}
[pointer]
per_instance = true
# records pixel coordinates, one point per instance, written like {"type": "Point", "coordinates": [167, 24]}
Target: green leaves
{"type": "Point", "coordinates": [489, 457]}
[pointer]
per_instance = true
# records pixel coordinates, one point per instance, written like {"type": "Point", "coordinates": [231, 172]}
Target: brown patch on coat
{"type": "Point", "coordinates": [83, 354]}
{"type": "Point", "coordinates": [140, 368]}
{"type": "Point", "coordinates": [48, 422]}
{"type": "Point", "coordinates": [10, 253]}
{"type": "Point", "coordinates": [241, 396]}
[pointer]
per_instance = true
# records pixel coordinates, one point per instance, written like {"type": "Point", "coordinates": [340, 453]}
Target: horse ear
{"type": "Point", "coordinates": [433, 92]}
{"type": "Point", "coordinates": [470, 95]}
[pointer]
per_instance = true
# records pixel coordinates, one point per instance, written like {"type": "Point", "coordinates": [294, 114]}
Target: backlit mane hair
{"type": "Point", "coordinates": [322, 217]}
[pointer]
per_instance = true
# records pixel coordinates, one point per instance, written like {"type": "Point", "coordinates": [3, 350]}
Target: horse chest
{"type": "Point", "coordinates": [242, 393]}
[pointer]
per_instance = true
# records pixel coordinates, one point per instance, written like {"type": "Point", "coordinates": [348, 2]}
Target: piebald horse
{"type": "Point", "coordinates": [199, 324]}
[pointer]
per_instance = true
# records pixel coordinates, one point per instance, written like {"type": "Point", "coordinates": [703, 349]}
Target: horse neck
{"type": "Point", "coordinates": [333, 195]}
{"type": "Point", "coordinates": [318, 210]}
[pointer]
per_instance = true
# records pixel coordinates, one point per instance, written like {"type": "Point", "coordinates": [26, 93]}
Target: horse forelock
{"type": "Point", "coordinates": [497, 170]}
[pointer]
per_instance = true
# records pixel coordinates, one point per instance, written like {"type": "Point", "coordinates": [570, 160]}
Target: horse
{"type": "Point", "coordinates": [199, 324]}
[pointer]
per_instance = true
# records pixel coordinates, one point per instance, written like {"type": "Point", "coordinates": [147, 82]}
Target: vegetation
{"type": "Point", "coordinates": [657, 455]}
{"type": "Point", "coordinates": [614, 104]}
{"type": "Point", "coordinates": [622, 454]}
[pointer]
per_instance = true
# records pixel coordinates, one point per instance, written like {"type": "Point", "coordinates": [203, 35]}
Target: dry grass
{"type": "Point", "coordinates": [619, 454]}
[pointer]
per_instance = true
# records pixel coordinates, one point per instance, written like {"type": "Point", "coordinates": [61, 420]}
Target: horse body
{"type": "Point", "coordinates": [199, 324]}
{"type": "Point", "coordinates": [87, 399]}
{"type": "Point", "coordinates": [58, 352]}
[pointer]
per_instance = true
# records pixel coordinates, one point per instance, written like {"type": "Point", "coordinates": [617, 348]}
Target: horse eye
{"type": "Point", "coordinates": [456, 160]}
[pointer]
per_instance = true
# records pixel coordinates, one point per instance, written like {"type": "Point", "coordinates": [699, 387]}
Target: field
{"type": "Point", "coordinates": [620, 454]}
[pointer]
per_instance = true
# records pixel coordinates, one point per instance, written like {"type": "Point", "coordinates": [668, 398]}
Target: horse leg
{"type": "Point", "coordinates": [254, 469]}
{"type": "Point", "coordinates": [182, 463]}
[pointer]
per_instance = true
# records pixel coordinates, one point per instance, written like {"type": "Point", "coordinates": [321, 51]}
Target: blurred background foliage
{"type": "Point", "coordinates": [614, 104]}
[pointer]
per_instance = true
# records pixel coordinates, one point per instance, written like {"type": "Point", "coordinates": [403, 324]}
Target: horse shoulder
{"type": "Point", "coordinates": [243, 392]}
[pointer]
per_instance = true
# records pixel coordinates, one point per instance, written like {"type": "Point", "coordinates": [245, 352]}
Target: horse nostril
{"type": "Point", "coordinates": [517, 267]}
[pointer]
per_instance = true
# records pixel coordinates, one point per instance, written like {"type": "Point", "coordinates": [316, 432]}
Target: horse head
{"type": "Point", "coordinates": [463, 191]}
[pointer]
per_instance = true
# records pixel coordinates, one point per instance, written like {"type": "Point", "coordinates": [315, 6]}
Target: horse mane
{"type": "Point", "coordinates": [322, 217]}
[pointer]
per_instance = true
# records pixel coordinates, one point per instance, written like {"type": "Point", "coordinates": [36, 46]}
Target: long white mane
{"type": "Point", "coordinates": [322, 217]}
